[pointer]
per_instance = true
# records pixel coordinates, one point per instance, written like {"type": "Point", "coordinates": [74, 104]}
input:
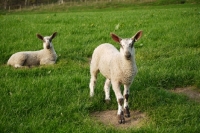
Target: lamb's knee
{"type": "Point", "coordinates": [93, 78]}
{"type": "Point", "coordinates": [126, 96]}
{"type": "Point", "coordinates": [93, 73]}
{"type": "Point", "coordinates": [120, 101]}
{"type": "Point", "coordinates": [92, 81]}
{"type": "Point", "coordinates": [17, 66]}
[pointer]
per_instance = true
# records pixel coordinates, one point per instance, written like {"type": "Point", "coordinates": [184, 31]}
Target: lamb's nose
{"type": "Point", "coordinates": [128, 55]}
{"type": "Point", "coordinates": [48, 46]}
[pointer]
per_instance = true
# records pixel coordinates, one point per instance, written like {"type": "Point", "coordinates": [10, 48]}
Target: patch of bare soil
{"type": "Point", "coordinates": [188, 91]}
{"type": "Point", "coordinates": [110, 118]}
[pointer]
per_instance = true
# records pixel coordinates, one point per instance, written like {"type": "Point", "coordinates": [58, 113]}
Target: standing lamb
{"type": "Point", "coordinates": [118, 68]}
{"type": "Point", "coordinates": [35, 58]}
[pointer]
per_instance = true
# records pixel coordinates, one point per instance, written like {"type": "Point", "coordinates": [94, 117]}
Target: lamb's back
{"type": "Point", "coordinates": [25, 58]}
{"type": "Point", "coordinates": [102, 57]}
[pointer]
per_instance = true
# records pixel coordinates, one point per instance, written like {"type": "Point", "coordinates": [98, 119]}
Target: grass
{"type": "Point", "coordinates": [56, 98]}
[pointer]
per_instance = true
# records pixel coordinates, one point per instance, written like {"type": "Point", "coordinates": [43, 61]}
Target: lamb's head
{"type": "Point", "coordinates": [127, 44]}
{"type": "Point", "coordinates": [47, 41]}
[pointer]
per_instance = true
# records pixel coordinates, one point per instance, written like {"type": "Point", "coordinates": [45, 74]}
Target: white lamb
{"type": "Point", "coordinates": [35, 58]}
{"type": "Point", "coordinates": [118, 68]}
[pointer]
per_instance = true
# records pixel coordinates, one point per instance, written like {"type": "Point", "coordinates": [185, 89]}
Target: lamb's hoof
{"type": "Point", "coordinates": [127, 112]}
{"type": "Point", "coordinates": [107, 101]}
{"type": "Point", "coordinates": [121, 119]}
{"type": "Point", "coordinates": [127, 115]}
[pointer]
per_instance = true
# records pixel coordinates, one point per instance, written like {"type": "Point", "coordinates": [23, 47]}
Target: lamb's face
{"type": "Point", "coordinates": [127, 44]}
{"type": "Point", "coordinates": [47, 42]}
{"type": "Point", "coordinates": [127, 48]}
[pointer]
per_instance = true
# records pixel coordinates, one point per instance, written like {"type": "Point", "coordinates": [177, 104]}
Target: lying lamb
{"type": "Point", "coordinates": [35, 58]}
{"type": "Point", "coordinates": [118, 68]}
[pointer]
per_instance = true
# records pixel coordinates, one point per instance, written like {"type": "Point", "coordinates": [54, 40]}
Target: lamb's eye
{"type": "Point", "coordinates": [131, 44]}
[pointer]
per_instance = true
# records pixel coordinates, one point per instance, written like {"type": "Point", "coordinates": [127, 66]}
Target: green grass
{"type": "Point", "coordinates": [56, 98]}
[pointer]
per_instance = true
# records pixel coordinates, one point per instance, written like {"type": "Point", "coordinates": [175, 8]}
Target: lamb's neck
{"type": "Point", "coordinates": [51, 50]}
{"type": "Point", "coordinates": [129, 66]}
{"type": "Point", "coordinates": [127, 63]}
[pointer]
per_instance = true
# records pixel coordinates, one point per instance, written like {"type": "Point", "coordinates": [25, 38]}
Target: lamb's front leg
{"type": "Point", "coordinates": [120, 100]}
{"type": "Point", "coordinates": [120, 113]}
{"type": "Point", "coordinates": [126, 95]}
{"type": "Point", "coordinates": [17, 66]}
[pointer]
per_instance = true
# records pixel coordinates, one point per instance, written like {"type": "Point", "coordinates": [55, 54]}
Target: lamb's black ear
{"type": "Point", "coordinates": [40, 37]}
{"type": "Point", "coordinates": [137, 36]}
{"type": "Point", "coordinates": [53, 35]}
{"type": "Point", "coordinates": [115, 38]}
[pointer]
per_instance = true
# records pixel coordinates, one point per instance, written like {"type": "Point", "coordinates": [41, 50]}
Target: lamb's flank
{"type": "Point", "coordinates": [118, 68]}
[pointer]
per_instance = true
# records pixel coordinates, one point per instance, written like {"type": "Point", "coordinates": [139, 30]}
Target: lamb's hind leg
{"type": "Point", "coordinates": [17, 66]}
{"type": "Point", "coordinates": [107, 90]}
{"type": "Point", "coordinates": [126, 106]}
{"type": "Point", "coordinates": [93, 81]}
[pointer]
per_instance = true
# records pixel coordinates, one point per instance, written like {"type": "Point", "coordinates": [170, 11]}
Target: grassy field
{"type": "Point", "coordinates": [56, 98]}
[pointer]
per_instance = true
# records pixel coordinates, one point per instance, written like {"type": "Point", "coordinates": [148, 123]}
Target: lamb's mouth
{"type": "Point", "coordinates": [128, 57]}
{"type": "Point", "coordinates": [48, 46]}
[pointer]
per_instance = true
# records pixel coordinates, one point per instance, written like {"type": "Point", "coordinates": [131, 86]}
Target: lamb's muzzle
{"type": "Point", "coordinates": [128, 55]}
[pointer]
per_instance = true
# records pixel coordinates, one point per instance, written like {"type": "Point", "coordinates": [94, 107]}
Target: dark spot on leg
{"type": "Point", "coordinates": [127, 112]}
{"type": "Point", "coordinates": [126, 96]}
{"type": "Point", "coordinates": [120, 101]}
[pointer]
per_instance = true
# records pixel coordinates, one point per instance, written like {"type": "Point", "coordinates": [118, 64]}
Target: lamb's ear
{"type": "Point", "coordinates": [40, 37]}
{"type": "Point", "coordinates": [115, 38]}
{"type": "Point", "coordinates": [53, 35]}
{"type": "Point", "coordinates": [137, 36]}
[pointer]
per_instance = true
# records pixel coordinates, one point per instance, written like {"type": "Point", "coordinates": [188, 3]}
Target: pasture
{"type": "Point", "coordinates": [56, 98]}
